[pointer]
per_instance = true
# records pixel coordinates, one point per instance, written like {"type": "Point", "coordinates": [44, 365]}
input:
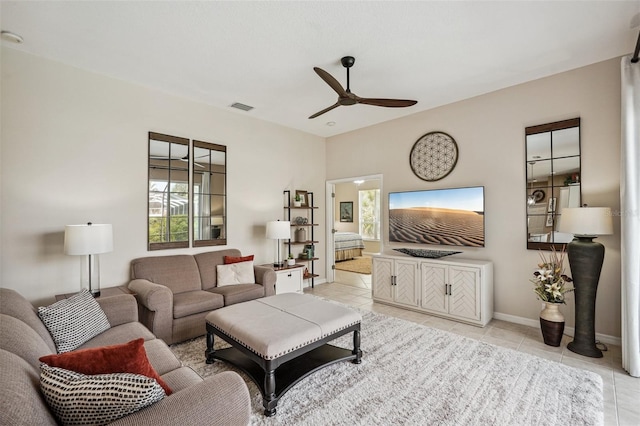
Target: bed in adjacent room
{"type": "Point", "coordinates": [348, 245]}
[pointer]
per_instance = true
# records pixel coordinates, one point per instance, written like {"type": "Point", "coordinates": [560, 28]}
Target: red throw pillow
{"type": "Point", "coordinates": [236, 259]}
{"type": "Point", "coordinates": [129, 357]}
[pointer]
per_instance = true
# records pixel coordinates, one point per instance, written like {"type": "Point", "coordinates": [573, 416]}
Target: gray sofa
{"type": "Point", "coordinates": [222, 399]}
{"type": "Point", "coordinates": [175, 293]}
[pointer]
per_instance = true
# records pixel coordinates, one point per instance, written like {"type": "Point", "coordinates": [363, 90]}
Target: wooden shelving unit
{"type": "Point", "coordinates": [308, 212]}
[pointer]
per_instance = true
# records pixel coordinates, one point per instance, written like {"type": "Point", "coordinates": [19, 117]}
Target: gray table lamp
{"type": "Point", "coordinates": [585, 258]}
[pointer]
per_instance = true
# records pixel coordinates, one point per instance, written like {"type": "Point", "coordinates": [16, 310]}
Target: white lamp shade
{"type": "Point", "coordinates": [279, 230]}
{"type": "Point", "coordinates": [586, 221]}
{"type": "Point", "coordinates": [216, 221]}
{"type": "Point", "coordinates": [88, 239]}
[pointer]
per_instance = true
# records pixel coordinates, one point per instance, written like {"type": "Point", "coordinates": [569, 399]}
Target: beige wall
{"type": "Point", "coordinates": [489, 130]}
{"type": "Point", "coordinates": [74, 149]}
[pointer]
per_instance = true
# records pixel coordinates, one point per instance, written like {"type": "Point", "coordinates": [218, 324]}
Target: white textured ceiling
{"type": "Point", "coordinates": [263, 53]}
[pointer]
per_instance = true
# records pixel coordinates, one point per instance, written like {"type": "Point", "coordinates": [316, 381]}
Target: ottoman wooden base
{"type": "Point", "coordinates": [275, 376]}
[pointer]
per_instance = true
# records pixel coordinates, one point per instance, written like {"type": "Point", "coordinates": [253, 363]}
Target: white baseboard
{"type": "Point", "coordinates": [569, 331]}
{"type": "Point", "coordinates": [307, 283]}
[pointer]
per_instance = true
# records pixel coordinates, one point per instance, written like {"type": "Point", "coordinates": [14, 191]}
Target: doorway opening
{"type": "Point", "coordinates": [354, 224]}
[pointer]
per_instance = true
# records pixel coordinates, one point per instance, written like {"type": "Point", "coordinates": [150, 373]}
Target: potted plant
{"type": "Point", "coordinates": [297, 201]}
{"type": "Point", "coordinates": [290, 260]}
{"type": "Point", "coordinates": [550, 285]}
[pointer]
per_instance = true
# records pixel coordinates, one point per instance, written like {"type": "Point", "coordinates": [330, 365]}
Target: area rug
{"type": "Point", "coordinates": [415, 375]}
{"type": "Point", "coordinates": [360, 265]}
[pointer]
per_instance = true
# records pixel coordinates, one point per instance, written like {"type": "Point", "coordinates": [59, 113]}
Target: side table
{"type": "Point", "coordinates": [104, 292]}
{"type": "Point", "coordinates": [289, 278]}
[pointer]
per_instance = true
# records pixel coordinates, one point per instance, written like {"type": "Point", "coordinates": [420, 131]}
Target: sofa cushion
{"type": "Point", "coordinates": [119, 334]}
{"type": "Point", "coordinates": [73, 321]}
{"type": "Point", "coordinates": [21, 402]}
{"type": "Point", "coordinates": [181, 378]}
{"type": "Point", "coordinates": [179, 272]}
{"type": "Point", "coordinates": [236, 273]}
{"type": "Point", "coordinates": [15, 305]}
{"type": "Point", "coordinates": [194, 302]}
{"type": "Point", "coordinates": [161, 357]}
{"type": "Point", "coordinates": [235, 259]}
{"type": "Point", "coordinates": [20, 339]}
{"type": "Point", "coordinates": [239, 293]}
{"type": "Point", "coordinates": [207, 263]}
{"type": "Point", "coordinates": [129, 357]}
{"type": "Point", "coordinates": [78, 399]}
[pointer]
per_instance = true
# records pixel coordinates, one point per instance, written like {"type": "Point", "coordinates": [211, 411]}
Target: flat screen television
{"type": "Point", "coordinates": [452, 216]}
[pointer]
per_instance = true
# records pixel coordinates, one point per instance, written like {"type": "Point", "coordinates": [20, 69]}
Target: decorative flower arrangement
{"type": "Point", "coordinates": [549, 279]}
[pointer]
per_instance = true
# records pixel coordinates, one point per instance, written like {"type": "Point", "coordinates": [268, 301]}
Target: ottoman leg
{"type": "Point", "coordinates": [356, 347]}
{"type": "Point", "coordinates": [269, 401]}
{"type": "Point", "coordinates": [210, 351]}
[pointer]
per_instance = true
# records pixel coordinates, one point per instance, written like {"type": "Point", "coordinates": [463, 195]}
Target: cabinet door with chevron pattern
{"type": "Point", "coordinates": [434, 287]}
{"type": "Point", "coordinates": [464, 300]}
{"type": "Point", "coordinates": [381, 279]}
{"type": "Point", "coordinates": [406, 282]}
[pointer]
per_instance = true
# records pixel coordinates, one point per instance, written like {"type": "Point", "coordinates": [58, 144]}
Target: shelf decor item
{"type": "Point", "coordinates": [585, 258]}
{"type": "Point", "coordinates": [297, 200]}
{"type": "Point", "coordinates": [550, 287]}
{"type": "Point", "coordinates": [302, 197]}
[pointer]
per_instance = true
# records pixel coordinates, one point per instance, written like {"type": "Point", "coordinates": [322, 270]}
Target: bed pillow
{"type": "Point", "coordinates": [128, 357]}
{"type": "Point", "coordinates": [236, 259]}
{"type": "Point", "coordinates": [235, 273]}
{"type": "Point", "coordinates": [78, 399]}
{"type": "Point", "coordinates": [73, 321]}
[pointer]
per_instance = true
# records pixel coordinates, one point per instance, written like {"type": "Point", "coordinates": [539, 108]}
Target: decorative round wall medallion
{"type": "Point", "coordinates": [433, 156]}
{"type": "Point", "coordinates": [538, 195]}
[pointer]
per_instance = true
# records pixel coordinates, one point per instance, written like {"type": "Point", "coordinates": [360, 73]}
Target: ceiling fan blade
{"type": "Point", "coordinates": [328, 78]}
{"type": "Point", "coordinates": [337, 104]}
{"type": "Point", "coordinates": [391, 103]}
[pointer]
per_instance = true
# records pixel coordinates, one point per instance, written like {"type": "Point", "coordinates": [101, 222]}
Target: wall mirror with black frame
{"type": "Point", "coordinates": [209, 194]}
{"type": "Point", "coordinates": [173, 207]}
{"type": "Point", "coordinates": [553, 171]}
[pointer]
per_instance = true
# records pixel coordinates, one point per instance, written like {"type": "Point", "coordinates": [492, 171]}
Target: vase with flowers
{"type": "Point", "coordinates": [550, 285]}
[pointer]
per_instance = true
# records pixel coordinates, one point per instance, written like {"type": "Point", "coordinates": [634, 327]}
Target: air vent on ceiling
{"type": "Point", "coordinates": [243, 107]}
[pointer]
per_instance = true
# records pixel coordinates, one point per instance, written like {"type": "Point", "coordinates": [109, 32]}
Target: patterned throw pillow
{"type": "Point", "coordinates": [73, 321]}
{"type": "Point", "coordinates": [77, 399]}
{"type": "Point", "coordinates": [130, 357]}
{"type": "Point", "coordinates": [235, 273]}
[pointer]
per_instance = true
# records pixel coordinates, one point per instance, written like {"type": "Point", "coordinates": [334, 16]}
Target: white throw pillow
{"type": "Point", "coordinates": [236, 273]}
{"type": "Point", "coordinates": [73, 321]}
{"type": "Point", "coordinates": [79, 399]}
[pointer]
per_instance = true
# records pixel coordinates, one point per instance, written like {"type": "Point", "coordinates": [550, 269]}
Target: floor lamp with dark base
{"type": "Point", "coordinates": [585, 259]}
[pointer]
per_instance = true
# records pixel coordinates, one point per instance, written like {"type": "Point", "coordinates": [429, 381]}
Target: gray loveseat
{"type": "Point", "coordinates": [175, 293]}
{"type": "Point", "coordinates": [222, 399]}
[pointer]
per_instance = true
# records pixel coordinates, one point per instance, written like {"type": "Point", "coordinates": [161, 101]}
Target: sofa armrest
{"type": "Point", "coordinates": [120, 309]}
{"type": "Point", "coordinates": [221, 400]}
{"type": "Point", "coordinates": [267, 277]}
{"type": "Point", "coordinates": [155, 303]}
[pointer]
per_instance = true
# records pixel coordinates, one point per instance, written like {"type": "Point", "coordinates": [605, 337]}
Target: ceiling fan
{"type": "Point", "coordinates": [185, 159]}
{"type": "Point", "coordinates": [345, 97]}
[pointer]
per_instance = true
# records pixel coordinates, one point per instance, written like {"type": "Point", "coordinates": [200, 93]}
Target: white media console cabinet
{"type": "Point", "coordinates": [453, 288]}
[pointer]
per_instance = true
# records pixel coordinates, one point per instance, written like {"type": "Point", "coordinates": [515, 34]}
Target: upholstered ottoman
{"type": "Point", "coordinates": [281, 339]}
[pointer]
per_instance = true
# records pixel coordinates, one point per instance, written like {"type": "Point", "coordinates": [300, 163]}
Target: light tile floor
{"type": "Point", "coordinates": [621, 391]}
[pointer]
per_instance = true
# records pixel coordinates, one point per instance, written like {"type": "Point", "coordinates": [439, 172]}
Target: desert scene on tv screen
{"type": "Point", "coordinates": [412, 222]}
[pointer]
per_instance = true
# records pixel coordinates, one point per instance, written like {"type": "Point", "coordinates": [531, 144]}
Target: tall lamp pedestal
{"type": "Point", "coordinates": [585, 259]}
